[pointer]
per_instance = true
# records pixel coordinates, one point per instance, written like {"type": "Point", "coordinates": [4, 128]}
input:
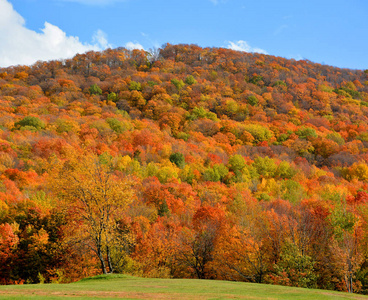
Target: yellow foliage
{"type": "Point", "coordinates": [359, 171]}
{"type": "Point", "coordinates": [122, 162]}
{"type": "Point", "coordinates": [166, 150]}
{"type": "Point", "coordinates": [95, 200]}
{"type": "Point", "coordinates": [269, 186]}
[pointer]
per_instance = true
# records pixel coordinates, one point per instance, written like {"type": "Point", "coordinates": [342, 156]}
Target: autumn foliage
{"type": "Point", "coordinates": [186, 162]}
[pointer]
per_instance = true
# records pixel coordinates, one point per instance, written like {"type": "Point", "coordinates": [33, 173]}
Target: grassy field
{"type": "Point", "coordinates": [127, 287]}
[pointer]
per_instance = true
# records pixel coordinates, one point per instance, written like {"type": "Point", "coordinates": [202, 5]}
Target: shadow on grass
{"type": "Point", "coordinates": [106, 277]}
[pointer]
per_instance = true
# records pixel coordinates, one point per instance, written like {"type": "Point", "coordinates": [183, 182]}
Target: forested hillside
{"type": "Point", "coordinates": [186, 162]}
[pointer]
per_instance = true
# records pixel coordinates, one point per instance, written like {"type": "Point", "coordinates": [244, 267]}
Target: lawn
{"type": "Point", "coordinates": [127, 287]}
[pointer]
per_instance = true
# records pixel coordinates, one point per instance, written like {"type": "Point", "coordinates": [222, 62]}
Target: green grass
{"type": "Point", "coordinates": [127, 287]}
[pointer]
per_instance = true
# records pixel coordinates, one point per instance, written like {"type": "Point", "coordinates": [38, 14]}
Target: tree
{"type": "Point", "coordinates": [345, 244]}
{"type": "Point", "coordinates": [95, 90]}
{"type": "Point", "coordinates": [196, 244]}
{"type": "Point", "coordinates": [252, 100]}
{"type": "Point", "coordinates": [8, 243]}
{"type": "Point", "coordinates": [259, 132]}
{"type": "Point", "coordinates": [94, 199]}
{"type": "Point", "coordinates": [31, 123]}
{"type": "Point", "coordinates": [306, 133]}
{"type": "Point", "coordinates": [179, 84]}
{"type": "Point", "coordinates": [294, 268]}
{"type": "Point", "coordinates": [178, 159]}
{"type": "Point", "coordinates": [190, 80]}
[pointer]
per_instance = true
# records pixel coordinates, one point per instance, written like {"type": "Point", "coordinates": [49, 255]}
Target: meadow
{"type": "Point", "coordinates": [128, 287]}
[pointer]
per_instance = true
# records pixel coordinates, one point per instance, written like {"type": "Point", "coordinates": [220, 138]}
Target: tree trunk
{"type": "Point", "coordinates": [109, 259]}
{"type": "Point", "coordinates": [103, 265]}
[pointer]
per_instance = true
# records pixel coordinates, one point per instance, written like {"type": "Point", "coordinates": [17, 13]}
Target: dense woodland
{"type": "Point", "coordinates": [184, 162]}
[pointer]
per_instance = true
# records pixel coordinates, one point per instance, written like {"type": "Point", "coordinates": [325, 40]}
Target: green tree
{"type": "Point", "coordinates": [252, 100]}
{"type": "Point", "coordinates": [135, 86]}
{"type": "Point", "coordinates": [112, 97]}
{"type": "Point", "coordinates": [294, 268]}
{"type": "Point", "coordinates": [336, 137]}
{"type": "Point", "coordinates": [30, 122]}
{"type": "Point", "coordinates": [306, 132]}
{"type": "Point", "coordinates": [190, 80]}
{"type": "Point", "coordinates": [259, 132]}
{"type": "Point", "coordinates": [217, 173]}
{"type": "Point", "coordinates": [179, 84]}
{"type": "Point", "coordinates": [116, 125]}
{"type": "Point", "coordinates": [201, 113]}
{"type": "Point", "coordinates": [265, 166]}
{"type": "Point", "coordinates": [284, 170]}
{"type": "Point", "coordinates": [178, 159]}
{"type": "Point", "coordinates": [95, 90]}
{"type": "Point", "coordinates": [236, 163]}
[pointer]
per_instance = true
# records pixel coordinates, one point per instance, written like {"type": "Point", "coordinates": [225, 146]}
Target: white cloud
{"type": "Point", "coordinates": [20, 45]}
{"type": "Point", "coordinates": [131, 46]}
{"type": "Point", "coordinates": [215, 2]}
{"type": "Point", "coordinates": [245, 47]}
{"type": "Point", "coordinates": [100, 38]}
{"type": "Point", "coordinates": [296, 57]}
{"type": "Point", "coordinates": [94, 2]}
{"type": "Point", "coordinates": [280, 29]}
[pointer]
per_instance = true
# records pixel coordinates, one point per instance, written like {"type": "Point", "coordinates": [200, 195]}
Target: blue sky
{"type": "Point", "coordinates": [324, 31]}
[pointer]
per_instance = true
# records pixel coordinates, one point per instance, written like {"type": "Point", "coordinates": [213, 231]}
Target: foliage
{"type": "Point", "coordinates": [178, 159]}
{"type": "Point", "coordinates": [95, 89]}
{"type": "Point", "coordinates": [259, 132]}
{"type": "Point", "coordinates": [306, 132]}
{"type": "Point", "coordinates": [30, 122]}
{"type": "Point", "coordinates": [95, 201]}
{"type": "Point", "coordinates": [294, 269]}
{"type": "Point", "coordinates": [245, 166]}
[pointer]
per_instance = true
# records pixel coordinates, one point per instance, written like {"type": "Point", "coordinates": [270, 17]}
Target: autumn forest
{"type": "Point", "coordinates": [184, 162]}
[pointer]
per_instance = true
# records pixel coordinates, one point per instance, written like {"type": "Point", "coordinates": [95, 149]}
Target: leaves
{"type": "Point", "coordinates": [245, 167]}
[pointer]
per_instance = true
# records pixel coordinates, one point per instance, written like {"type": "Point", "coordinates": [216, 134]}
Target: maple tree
{"type": "Point", "coordinates": [95, 201]}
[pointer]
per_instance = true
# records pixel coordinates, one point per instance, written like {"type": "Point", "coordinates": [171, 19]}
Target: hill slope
{"type": "Point", "coordinates": [188, 163]}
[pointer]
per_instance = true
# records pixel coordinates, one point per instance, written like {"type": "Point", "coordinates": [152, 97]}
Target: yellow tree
{"type": "Point", "coordinates": [94, 199]}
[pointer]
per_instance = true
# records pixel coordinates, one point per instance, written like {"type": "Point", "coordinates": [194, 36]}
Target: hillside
{"type": "Point", "coordinates": [186, 162]}
{"type": "Point", "coordinates": [126, 287]}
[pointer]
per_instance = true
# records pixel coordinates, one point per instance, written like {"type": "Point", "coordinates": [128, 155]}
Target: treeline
{"type": "Point", "coordinates": [184, 162]}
